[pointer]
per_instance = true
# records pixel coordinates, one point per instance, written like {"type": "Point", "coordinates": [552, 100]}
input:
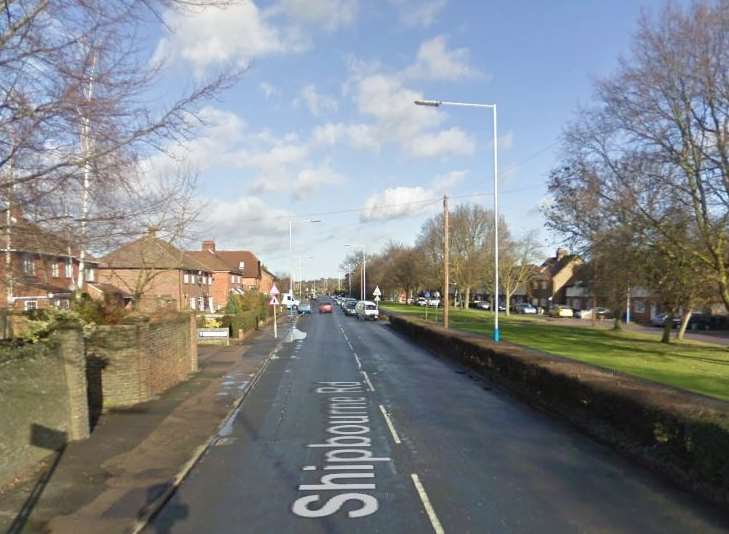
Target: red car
{"type": "Point", "coordinates": [325, 308]}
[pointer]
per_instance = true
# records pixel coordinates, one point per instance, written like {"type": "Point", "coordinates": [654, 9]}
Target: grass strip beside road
{"type": "Point", "coordinates": [690, 365]}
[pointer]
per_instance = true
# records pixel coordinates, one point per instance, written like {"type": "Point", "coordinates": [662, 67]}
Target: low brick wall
{"type": "Point", "coordinates": [131, 363]}
{"type": "Point", "coordinates": [43, 402]}
{"type": "Point", "coordinates": [683, 435]}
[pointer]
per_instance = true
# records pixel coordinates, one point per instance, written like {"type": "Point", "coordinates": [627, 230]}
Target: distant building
{"type": "Point", "coordinates": [553, 278]}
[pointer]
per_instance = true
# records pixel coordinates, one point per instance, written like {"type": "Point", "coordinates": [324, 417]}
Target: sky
{"type": "Point", "coordinates": [322, 123]}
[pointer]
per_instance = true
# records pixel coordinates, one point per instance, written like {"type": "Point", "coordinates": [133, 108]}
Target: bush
{"type": "Point", "coordinates": [243, 312]}
{"type": "Point", "coordinates": [245, 321]}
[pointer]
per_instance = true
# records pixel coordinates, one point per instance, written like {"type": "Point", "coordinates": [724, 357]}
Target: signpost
{"type": "Point", "coordinates": [274, 302]}
{"type": "Point", "coordinates": [377, 294]}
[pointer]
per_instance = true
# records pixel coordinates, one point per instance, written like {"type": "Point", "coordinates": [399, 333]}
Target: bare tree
{"type": "Point", "coordinates": [517, 260]}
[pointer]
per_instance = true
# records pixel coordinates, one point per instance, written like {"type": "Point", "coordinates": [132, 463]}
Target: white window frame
{"type": "Point", "coordinates": [186, 278]}
{"type": "Point", "coordinates": [241, 266]}
{"type": "Point", "coordinates": [29, 305]}
{"type": "Point", "coordinates": [90, 274]}
{"type": "Point", "coordinates": [28, 264]}
{"type": "Point", "coordinates": [55, 269]}
{"type": "Point", "coordinates": [192, 303]}
{"type": "Point", "coordinates": [68, 268]}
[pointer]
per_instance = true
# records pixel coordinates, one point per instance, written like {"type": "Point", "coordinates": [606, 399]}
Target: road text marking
{"type": "Point", "coordinates": [395, 437]}
{"type": "Point", "coordinates": [437, 527]}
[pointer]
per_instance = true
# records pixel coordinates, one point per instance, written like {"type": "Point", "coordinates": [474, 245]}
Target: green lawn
{"type": "Point", "coordinates": [691, 365]}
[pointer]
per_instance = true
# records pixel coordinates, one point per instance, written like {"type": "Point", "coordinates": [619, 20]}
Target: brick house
{"type": "Point", "coordinates": [158, 275]}
{"type": "Point", "coordinates": [255, 275]}
{"type": "Point", "coordinates": [553, 278]}
{"type": "Point", "coordinates": [227, 278]}
{"type": "Point", "coordinates": [39, 268]}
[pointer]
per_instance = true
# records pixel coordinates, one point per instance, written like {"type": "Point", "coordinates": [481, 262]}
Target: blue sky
{"type": "Point", "coordinates": [322, 123]}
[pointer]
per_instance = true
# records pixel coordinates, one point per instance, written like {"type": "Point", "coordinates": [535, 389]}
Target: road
{"type": "Point", "coordinates": [352, 428]}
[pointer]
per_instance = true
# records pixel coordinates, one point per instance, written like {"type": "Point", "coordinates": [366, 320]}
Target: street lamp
{"type": "Point", "coordinates": [492, 107]}
{"type": "Point", "coordinates": [363, 292]}
{"type": "Point", "coordinates": [291, 250]}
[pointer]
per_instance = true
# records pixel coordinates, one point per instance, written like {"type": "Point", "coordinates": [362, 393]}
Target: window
{"type": "Point", "coordinates": [28, 265]}
{"type": "Point", "coordinates": [90, 274]}
{"type": "Point", "coordinates": [31, 305]}
{"type": "Point", "coordinates": [639, 306]}
{"type": "Point", "coordinates": [241, 266]}
{"type": "Point", "coordinates": [55, 269]}
{"type": "Point", "coordinates": [200, 303]}
{"type": "Point", "coordinates": [62, 303]}
{"type": "Point", "coordinates": [68, 268]}
{"type": "Point", "coordinates": [186, 277]}
{"type": "Point", "coordinates": [544, 284]}
{"type": "Point", "coordinates": [192, 303]}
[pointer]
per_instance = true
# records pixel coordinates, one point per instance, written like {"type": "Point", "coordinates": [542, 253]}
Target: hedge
{"type": "Point", "coordinates": [678, 433]}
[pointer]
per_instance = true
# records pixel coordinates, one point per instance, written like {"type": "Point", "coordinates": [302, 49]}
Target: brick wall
{"type": "Point", "coordinates": [44, 403]}
{"type": "Point", "coordinates": [135, 362]}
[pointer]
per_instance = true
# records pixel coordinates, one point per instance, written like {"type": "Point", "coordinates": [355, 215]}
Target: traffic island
{"type": "Point", "coordinates": [682, 435]}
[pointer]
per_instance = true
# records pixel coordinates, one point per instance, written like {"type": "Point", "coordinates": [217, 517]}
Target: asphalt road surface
{"type": "Point", "coordinates": [352, 428]}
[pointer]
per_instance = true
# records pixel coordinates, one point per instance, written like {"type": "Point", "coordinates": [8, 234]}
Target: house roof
{"type": "Point", "coordinates": [251, 266]}
{"type": "Point", "coordinates": [213, 262]}
{"type": "Point", "coordinates": [150, 252]}
{"type": "Point", "coordinates": [47, 287]}
{"type": "Point", "coordinates": [26, 236]}
{"type": "Point", "coordinates": [556, 264]}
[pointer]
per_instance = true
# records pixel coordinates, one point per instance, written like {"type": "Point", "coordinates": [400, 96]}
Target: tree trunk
{"type": "Point", "coordinates": [616, 322]}
{"type": "Point", "coordinates": [684, 323]}
{"type": "Point", "coordinates": [507, 300]}
{"type": "Point", "coordinates": [667, 326]}
{"type": "Point", "coordinates": [468, 297]}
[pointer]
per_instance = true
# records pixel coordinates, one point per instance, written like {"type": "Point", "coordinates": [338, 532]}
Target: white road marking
{"type": "Point", "coordinates": [350, 346]}
{"type": "Point", "coordinates": [437, 527]}
{"type": "Point", "coordinates": [395, 437]}
{"type": "Point", "coordinates": [359, 363]}
{"type": "Point", "coordinates": [367, 379]}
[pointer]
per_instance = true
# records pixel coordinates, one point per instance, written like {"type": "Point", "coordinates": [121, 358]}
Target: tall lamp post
{"type": "Point", "coordinates": [291, 250]}
{"type": "Point", "coordinates": [363, 292]}
{"type": "Point", "coordinates": [492, 107]}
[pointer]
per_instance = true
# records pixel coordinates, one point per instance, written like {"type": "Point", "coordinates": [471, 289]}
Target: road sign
{"type": "Point", "coordinates": [274, 291]}
{"type": "Point", "coordinates": [377, 298]}
{"type": "Point", "coordinates": [377, 292]}
{"type": "Point", "coordinates": [273, 301]}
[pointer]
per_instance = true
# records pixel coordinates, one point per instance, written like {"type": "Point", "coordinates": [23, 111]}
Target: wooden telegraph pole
{"type": "Point", "coordinates": [446, 287]}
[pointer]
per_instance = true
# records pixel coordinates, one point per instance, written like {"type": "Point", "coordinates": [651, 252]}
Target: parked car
{"type": "Point", "coordinates": [525, 308]}
{"type": "Point", "coordinates": [699, 321]}
{"type": "Point", "coordinates": [482, 305]}
{"type": "Point", "coordinates": [288, 300]}
{"type": "Point", "coordinates": [422, 301]}
{"type": "Point", "coordinates": [367, 310]}
{"type": "Point", "coordinates": [325, 307]}
{"type": "Point", "coordinates": [561, 311]}
{"type": "Point", "coordinates": [305, 309]}
{"type": "Point", "coordinates": [349, 307]}
{"type": "Point", "coordinates": [597, 313]}
{"type": "Point", "coordinates": [660, 319]}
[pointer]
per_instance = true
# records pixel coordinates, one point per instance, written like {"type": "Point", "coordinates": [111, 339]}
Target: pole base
{"type": "Point", "coordinates": [497, 335]}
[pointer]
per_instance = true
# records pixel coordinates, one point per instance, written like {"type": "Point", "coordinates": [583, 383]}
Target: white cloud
{"type": "Point", "coordinates": [443, 183]}
{"type": "Point", "coordinates": [421, 13]}
{"type": "Point", "coordinates": [268, 89]}
{"type": "Point", "coordinates": [444, 142]}
{"type": "Point", "coordinates": [328, 14]}
{"type": "Point", "coordinates": [308, 180]}
{"type": "Point", "coordinates": [357, 135]}
{"type": "Point", "coordinates": [396, 202]}
{"type": "Point", "coordinates": [316, 102]}
{"type": "Point", "coordinates": [436, 62]}
{"type": "Point", "coordinates": [215, 36]}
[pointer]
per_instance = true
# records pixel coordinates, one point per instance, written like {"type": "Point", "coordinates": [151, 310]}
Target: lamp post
{"type": "Point", "coordinates": [291, 250]}
{"type": "Point", "coordinates": [363, 279]}
{"type": "Point", "coordinates": [492, 107]}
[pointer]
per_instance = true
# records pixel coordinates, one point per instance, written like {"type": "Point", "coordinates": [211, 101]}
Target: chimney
{"type": "Point", "coordinates": [152, 231]}
{"type": "Point", "coordinates": [208, 245]}
{"type": "Point", "coordinates": [561, 253]}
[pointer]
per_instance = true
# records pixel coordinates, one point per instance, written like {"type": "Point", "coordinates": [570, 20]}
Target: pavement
{"type": "Point", "coordinates": [101, 484]}
{"type": "Point", "coordinates": [352, 428]}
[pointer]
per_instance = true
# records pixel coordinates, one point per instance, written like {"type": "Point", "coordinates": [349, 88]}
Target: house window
{"type": "Point", "coordinates": [62, 303]}
{"type": "Point", "coordinates": [28, 265]}
{"type": "Point", "coordinates": [192, 303]}
{"type": "Point", "coordinates": [31, 305]}
{"type": "Point", "coordinates": [200, 303]}
{"type": "Point", "coordinates": [638, 306]}
{"type": "Point", "coordinates": [55, 269]}
{"type": "Point", "coordinates": [241, 266]}
{"type": "Point", "coordinates": [544, 284]}
{"type": "Point", "coordinates": [186, 277]}
{"type": "Point", "coordinates": [68, 268]}
{"type": "Point", "coordinates": [90, 274]}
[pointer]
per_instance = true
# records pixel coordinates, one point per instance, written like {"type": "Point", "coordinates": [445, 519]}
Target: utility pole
{"type": "Point", "coordinates": [446, 286]}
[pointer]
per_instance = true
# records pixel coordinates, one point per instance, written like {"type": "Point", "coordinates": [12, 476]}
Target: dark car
{"type": "Point", "coordinates": [325, 308]}
{"type": "Point", "coordinates": [700, 321]}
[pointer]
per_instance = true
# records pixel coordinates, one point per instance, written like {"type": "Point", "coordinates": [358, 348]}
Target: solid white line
{"type": "Point", "coordinates": [367, 379]}
{"type": "Point", "coordinates": [350, 346]}
{"type": "Point", "coordinates": [395, 437]}
{"type": "Point", "coordinates": [437, 527]}
{"type": "Point", "coordinates": [359, 363]}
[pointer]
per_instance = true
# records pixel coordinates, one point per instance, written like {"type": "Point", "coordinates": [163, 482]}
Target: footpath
{"type": "Point", "coordinates": [107, 482]}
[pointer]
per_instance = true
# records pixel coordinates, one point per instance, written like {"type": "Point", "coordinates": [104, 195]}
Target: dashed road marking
{"type": "Point", "coordinates": [395, 437]}
{"type": "Point", "coordinates": [367, 379]}
{"type": "Point", "coordinates": [359, 363]}
{"type": "Point", "coordinates": [437, 526]}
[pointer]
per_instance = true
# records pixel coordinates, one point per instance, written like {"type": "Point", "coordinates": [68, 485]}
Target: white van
{"type": "Point", "coordinates": [288, 300]}
{"type": "Point", "coordinates": [367, 309]}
